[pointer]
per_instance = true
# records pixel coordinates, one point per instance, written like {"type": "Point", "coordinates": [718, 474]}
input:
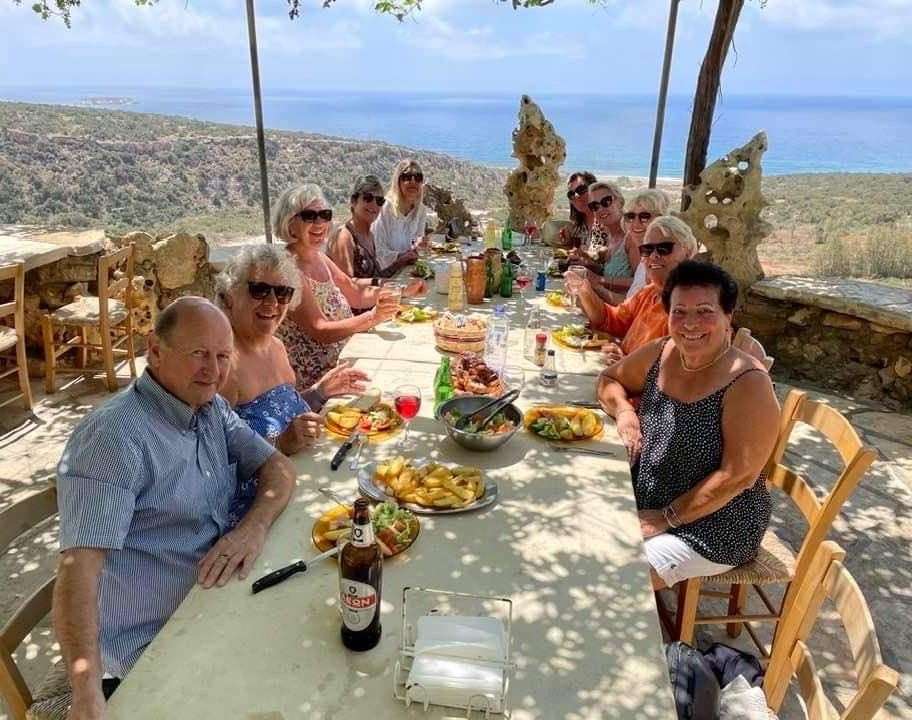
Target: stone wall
{"type": "Point", "coordinates": [166, 268]}
{"type": "Point", "coordinates": [850, 336]}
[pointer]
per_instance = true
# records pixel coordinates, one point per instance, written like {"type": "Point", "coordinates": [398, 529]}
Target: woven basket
{"type": "Point", "coordinates": [459, 345]}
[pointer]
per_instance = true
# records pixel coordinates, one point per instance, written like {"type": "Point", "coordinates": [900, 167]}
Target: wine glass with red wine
{"type": "Point", "coordinates": [407, 399]}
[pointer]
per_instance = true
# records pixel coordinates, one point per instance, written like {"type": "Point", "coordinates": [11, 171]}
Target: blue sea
{"type": "Point", "coordinates": [607, 133]}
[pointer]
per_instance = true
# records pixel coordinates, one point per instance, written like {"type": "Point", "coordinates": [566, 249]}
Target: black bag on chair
{"type": "Point", "coordinates": [693, 683]}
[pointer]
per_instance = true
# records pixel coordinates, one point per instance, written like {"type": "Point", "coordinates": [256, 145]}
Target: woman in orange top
{"type": "Point", "coordinates": [667, 243]}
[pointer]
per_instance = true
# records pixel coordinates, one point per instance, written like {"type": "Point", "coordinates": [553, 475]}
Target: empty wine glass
{"type": "Point", "coordinates": [407, 399]}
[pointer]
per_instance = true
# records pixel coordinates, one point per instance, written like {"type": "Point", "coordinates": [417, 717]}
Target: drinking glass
{"type": "Point", "coordinates": [394, 290]}
{"type": "Point", "coordinates": [407, 399]}
{"type": "Point", "coordinates": [523, 280]}
{"type": "Point", "coordinates": [573, 286]}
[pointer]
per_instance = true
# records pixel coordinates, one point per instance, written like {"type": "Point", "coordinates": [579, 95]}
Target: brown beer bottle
{"type": "Point", "coordinates": [360, 582]}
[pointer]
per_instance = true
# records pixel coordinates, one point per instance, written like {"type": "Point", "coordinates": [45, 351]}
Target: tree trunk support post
{"type": "Point", "coordinates": [663, 92]}
{"type": "Point", "coordinates": [258, 110]}
{"type": "Point", "coordinates": [708, 83]}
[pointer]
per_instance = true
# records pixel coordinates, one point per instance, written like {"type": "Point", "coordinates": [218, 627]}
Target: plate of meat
{"type": "Point", "coordinates": [472, 375]}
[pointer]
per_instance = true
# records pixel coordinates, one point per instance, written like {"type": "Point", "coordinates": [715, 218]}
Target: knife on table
{"type": "Point", "coordinates": [282, 574]}
{"type": "Point", "coordinates": [342, 451]}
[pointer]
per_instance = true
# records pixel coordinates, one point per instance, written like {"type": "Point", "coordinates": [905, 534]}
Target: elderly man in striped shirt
{"type": "Point", "coordinates": [144, 488]}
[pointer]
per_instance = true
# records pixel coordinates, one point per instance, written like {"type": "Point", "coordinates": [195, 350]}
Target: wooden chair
{"type": "Point", "coordinates": [14, 521]}
{"type": "Point", "coordinates": [103, 314]}
{"type": "Point", "coordinates": [827, 578]}
{"type": "Point", "coordinates": [775, 563]}
{"type": "Point", "coordinates": [15, 336]}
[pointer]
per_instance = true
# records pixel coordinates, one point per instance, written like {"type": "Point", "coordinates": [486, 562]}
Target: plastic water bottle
{"type": "Point", "coordinates": [495, 356]}
{"type": "Point", "coordinates": [533, 327]}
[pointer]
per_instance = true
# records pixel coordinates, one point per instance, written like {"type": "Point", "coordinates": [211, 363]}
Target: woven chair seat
{"type": "Point", "coordinates": [8, 337]}
{"type": "Point", "coordinates": [775, 563]}
{"type": "Point", "coordinates": [52, 701]}
{"type": "Point", "coordinates": [85, 311]}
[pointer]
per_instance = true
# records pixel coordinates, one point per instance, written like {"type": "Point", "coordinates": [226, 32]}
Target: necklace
{"type": "Point", "coordinates": [712, 362]}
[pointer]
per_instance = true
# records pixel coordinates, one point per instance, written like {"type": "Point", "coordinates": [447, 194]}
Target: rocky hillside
{"type": "Point", "coordinates": [122, 170]}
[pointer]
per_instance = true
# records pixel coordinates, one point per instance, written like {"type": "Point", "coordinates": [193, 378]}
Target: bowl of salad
{"type": "Point", "coordinates": [497, 432]}
{"type": "Point", "coordinates": [395, 528]}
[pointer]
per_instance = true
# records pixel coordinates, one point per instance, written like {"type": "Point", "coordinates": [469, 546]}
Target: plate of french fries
{"type": "Point", "coordinates": [427, 488]}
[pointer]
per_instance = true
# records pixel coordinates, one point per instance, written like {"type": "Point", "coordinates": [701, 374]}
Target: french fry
{"type": "Point", "coordinates": [447, 501]}
{"type": "Point", "coordinates": [396, 465]}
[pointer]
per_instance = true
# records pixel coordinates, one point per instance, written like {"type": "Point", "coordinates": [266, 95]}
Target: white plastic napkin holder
{"type": "Point", "coordinates": [454, 651]}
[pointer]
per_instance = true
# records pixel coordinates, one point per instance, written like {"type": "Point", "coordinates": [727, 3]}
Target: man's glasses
{"type": "Point", "coordinates": [261, 291]}
{"type": "Point", "coordinates": [310, 216]}
{"type": "Point", "coordinates": [578, 191]}
{"type": "Point", "coordinates": [411, 177]}
{"type": "Point", "coordinates": [641, 216]}
{"type": "Point", "coordinates": [604, 202]}
{"type": "Point", "coordinates": [663, 248]}
{"type": "Point", "coordinates": [370, 197]}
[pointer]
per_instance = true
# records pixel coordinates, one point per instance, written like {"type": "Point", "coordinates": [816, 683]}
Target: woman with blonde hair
{"type": "Point", "coordinates": [315, 332]}
{"type": "Point", "coordinates": [616, 284]}
{"type": "Point", "coordinates": [402, 223]}
{"type": "Point", "coordinates": [668, 242]}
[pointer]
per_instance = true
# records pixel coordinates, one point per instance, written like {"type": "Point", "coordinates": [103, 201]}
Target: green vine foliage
{"type": "Point", "coordinates": [400, 9]}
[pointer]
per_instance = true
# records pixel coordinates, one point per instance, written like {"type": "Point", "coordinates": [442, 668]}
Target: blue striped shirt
{"type": "Point", "coordinates": [145, 476]}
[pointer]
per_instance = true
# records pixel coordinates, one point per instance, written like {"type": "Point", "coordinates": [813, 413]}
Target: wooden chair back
{"type": "Point", "coordinates": [16, 306]}
{"type": "Point", "coordinates": [14, 521]}
{"type": "Point", "coordinates": [819, 512]}
{"type": "Point", "coordinates": [743, 340]}
{"type": "Point", "coordinates": [112, 280]}
{"type": "Point", "coordinates": [827, 578]}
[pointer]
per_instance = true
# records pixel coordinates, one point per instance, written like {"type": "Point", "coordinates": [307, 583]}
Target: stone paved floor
{"type": "Point", "coordinates": [874, 528]}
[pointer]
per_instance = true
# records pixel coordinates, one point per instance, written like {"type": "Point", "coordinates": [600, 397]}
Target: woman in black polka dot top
{"type": "Point", "coordinates": [705, 426]}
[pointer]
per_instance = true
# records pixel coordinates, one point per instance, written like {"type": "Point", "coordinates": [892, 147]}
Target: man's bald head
{"type": "Point", "coordinates": [190, 350]}
{"type": "Point", "coordinates": [186, 310]}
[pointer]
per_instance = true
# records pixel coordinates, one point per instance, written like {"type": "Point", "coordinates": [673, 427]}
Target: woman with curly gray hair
{"type": "Point", "coordinates": [256, 290]}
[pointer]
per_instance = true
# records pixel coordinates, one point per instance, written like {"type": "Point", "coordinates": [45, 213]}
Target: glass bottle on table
{"type": "Point", "coordinates": [495, 356]}
{"type": "Point", "coordinates": [361, 583]}
{"type": "Point", "coordinates": [456, 299]}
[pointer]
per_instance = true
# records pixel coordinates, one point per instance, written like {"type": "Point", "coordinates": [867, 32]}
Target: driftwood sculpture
{"type": "Point", "coordinates": [723, 210]}
{"type": "Point", "coordinates": [540, 151]}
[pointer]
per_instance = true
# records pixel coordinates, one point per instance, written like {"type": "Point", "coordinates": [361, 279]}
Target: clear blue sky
{"type": "Point", "coordinates": [809, 47]}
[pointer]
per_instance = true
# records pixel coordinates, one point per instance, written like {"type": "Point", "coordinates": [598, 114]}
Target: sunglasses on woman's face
{"type": "Point", "coordinates": [578, 191]}
{"type": "Point", "coordinates": [370, 197]}
{"type": "Point", "coordinates": [261, 291]}
{"type": "Point", "coordinates": [604, 202]}
{"type": "Point", "coordinates": [641, 216]}
{"type": "Point", "coordinates": [411, 177]}
{"type": "Point", "coordinates": [310, 216]}
{"type": "Point", "coordinates": [663, 248]}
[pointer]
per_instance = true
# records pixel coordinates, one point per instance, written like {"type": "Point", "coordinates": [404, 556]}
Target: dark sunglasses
{"type": "Point", "coordinates": [411, 177]}
{"type": "Point", "coordinates": [261, 291]}
{"type": "Point", "coordinates": [577, 192]}
{"type": "Point", "coordinates": [312, 215]}
{"type": "Point", "coordinates": [642, 216]}
{"type": "Point", "coordinates": [604, 202]}
{"type": "Point", "coordinates": [370, 197]}
{"type": "Point", "coordinates": [662, 248]}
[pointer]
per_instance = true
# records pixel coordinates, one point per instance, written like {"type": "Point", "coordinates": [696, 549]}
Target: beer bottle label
{"type": "Point", "coordinates": [363, 535]}
{"type": "Point", "coordinates": [359, 604]}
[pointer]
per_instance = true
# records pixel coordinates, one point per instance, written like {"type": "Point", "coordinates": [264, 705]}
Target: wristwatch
{"type": "Point", "coordinates": [375, 282]}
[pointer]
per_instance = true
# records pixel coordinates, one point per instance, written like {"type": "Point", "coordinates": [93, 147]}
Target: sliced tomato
{"type": "Point", "coordinates": [364, 423]}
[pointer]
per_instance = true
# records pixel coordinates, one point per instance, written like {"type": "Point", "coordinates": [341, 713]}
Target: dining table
{"type": "Point", "coordinates": [562, 542]}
